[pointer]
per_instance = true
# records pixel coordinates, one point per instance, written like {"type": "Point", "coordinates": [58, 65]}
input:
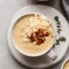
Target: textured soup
{"type": "Point", "coordinates": [66, 65]}
{"type": "Point", "coordinates": [28, 24]}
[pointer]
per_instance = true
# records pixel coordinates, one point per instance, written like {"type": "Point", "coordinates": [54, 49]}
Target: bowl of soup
{"type": "Point", "coordinates": [32, 34]}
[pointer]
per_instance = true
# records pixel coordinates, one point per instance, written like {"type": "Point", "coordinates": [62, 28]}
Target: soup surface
{"type": "Point", "coordinates": [66, 65]}
{"type": "Point", "coordinates": [33, 33]}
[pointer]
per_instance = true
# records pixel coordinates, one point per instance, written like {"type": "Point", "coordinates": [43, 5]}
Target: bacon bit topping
{"type": "Point", "coordinates": [33, 37]}
{"type": "Point", "coordinates": [39, 36]}
{"type": "Point", "coordinates": [40, 33]}
{"type": "Point", "coordinates": [39, 41]}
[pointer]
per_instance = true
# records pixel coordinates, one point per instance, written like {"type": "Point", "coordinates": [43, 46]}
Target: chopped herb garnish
{"type": "Point", "coordinates": [62, 38]}
{"type": "Point", "coordinates": [58, 26]}
{"type": "Point", "coordinates": [57, 42]}
{"type": "Point", "coordinates": [56, 18]}
{"type": "Point", "coordinates": [59, 30]}
{"type": "Point", "coordinates": [58, 23]}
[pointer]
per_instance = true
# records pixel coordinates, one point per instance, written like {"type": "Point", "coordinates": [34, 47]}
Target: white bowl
{"type": "Point", "coordinates": [67, 59]}
{"type": "Point", "coordinates": [20, 51]}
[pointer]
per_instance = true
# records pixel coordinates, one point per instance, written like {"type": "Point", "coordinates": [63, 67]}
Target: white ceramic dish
{"type": "Point", "coordinates": [64, 62]}
{"type": "Point", "coordinates": [22, 52]}
{"type": "Point", "coordinates": [60, 50]}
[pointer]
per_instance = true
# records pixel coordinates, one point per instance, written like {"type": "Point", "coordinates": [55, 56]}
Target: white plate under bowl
{"type": "Point", "coordinates": [60, 50]}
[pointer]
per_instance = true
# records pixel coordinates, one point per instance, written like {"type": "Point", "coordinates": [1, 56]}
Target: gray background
{"type": "Point", "coordinates": [7, 10]}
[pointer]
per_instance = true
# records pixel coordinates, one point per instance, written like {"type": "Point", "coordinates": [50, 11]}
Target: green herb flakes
{"type": "Point", "coordinates": [61, 38]}
{"type": "Point", "coordinates": [56, 18]}
{"type": "Point", "coordinates": [58, 24]}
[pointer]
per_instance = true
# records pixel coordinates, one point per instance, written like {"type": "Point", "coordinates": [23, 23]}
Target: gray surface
{"type": "Point", "coordinates": [7, 10]}
{"type": "Point", "coordinates": [66, 7]}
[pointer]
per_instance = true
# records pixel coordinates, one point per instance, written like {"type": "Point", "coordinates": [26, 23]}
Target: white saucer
{"type": "Point", "coordinates": [60, 50]}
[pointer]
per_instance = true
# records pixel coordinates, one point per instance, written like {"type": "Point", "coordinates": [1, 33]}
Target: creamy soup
{"type": "Point", "coordinates": [33, 33]}
{"type": "Point", "coordinates": [66, 65]}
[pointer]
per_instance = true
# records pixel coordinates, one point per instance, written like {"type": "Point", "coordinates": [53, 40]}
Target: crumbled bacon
{"type": "Point", "coordinates": [39, 36]}
{"type": "Point", "coordinates": [33, 37]}
{"type": "Point", "coordinates": [40, 33]}
{"type": "Point", "coordinates": [39, 41]}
